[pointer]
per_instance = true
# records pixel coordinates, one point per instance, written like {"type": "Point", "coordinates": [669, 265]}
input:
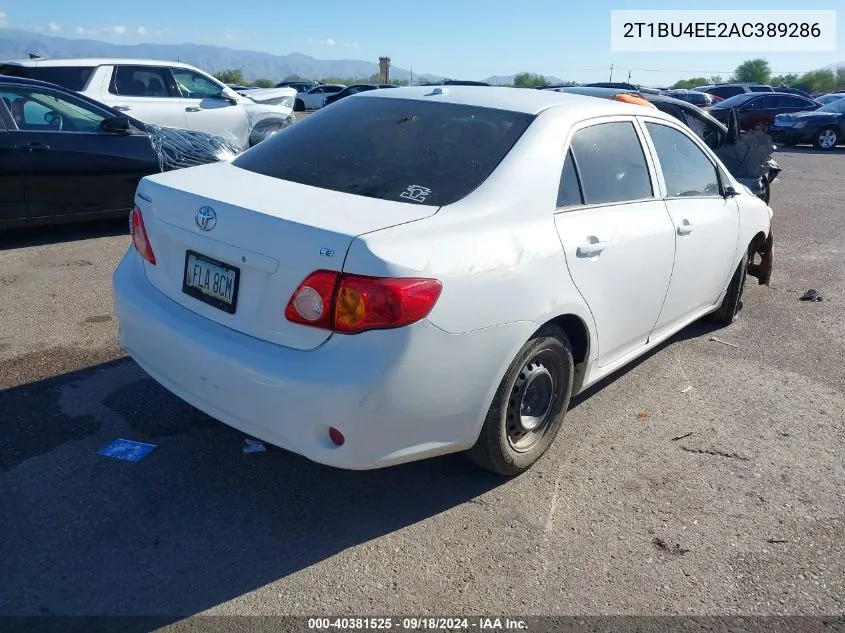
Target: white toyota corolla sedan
{"type": "Point", "coordinates": [422, 271]}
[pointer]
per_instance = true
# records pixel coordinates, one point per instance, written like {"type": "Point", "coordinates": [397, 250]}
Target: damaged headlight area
{"type": "Point", "coordinates": [265, 122]}
{"type": "Point", "coordinates": [177, 149]}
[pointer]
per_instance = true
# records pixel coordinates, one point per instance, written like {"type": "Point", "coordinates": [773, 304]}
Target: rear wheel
{"type": "Point", "coordinates": [826, 139]}
{"type": "Point", "coordinates": [529, 406]}
{"type": "Point", "coordinates": [727, 311]}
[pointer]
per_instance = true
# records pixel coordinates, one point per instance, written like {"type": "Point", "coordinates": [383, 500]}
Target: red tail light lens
{"type": "Point", "coordinates": [353, 304]}
{"type": "Point", "coordinates": [139, 236]}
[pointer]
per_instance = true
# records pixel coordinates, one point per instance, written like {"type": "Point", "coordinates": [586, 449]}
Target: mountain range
{"type": "Point", "coordinates": [17, 44]}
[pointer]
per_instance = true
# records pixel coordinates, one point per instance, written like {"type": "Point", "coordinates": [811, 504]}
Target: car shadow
{"type": "Point", "coordinates": [698, 329]}
{"type": "Point", "coordinates": [806, 149]}
{"type": "Point", "coordinates": [195, 524]}
{"type": "Point", "coordinates": [24, 237]}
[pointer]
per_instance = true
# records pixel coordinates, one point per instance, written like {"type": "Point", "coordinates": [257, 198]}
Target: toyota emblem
{"type": "Point", "coordinates": [206, 218]}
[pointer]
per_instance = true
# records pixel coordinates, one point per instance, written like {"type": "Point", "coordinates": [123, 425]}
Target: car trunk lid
{"type": "Point", "coordinates": [266, 236]}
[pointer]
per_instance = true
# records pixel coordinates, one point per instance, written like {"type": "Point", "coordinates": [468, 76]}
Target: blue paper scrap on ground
{"type": "Point", "coordinates": [127, 450]}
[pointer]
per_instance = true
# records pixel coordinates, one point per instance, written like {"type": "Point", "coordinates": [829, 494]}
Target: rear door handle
{"type": "Point", "coordinates": [123, 108]}
{"type": "Point", "coordinates": [685, 227]}
{"type": "Point", "coordinates": [35, 146]}
{"type": "Point", "coordinates": [592, 247]}
{"type": "Point", "coordinates": [193, 109]}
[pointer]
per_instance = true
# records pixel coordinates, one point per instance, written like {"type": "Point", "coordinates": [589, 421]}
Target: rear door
{"type": "Point", "coordinates": [68, 164]}
{"type": "Point", "coordinates": [12, 201]}
{"type": "Point", "coordinates": [616, 234]}
{"type": "Point", "coordinates": [146, 93]}
{"type": "Point", "coordinates": [207, 111]}
{"type": "Point", "coordinates": [705, 223]}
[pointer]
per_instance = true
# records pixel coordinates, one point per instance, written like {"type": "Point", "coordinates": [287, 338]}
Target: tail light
{"type": "Point", "coordinates": [139, 236]}
{"type": "Point", "coordinates": [353, 303]}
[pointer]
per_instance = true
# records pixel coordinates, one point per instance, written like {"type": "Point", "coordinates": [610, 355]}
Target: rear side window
{"type": "Point", "coordinates": [610, 163]}
{"type": "Point", "coordinates": [726, 92]}
{"type": "Point", "coordinates": [140, 81]}
{"type": "Point", "coordinates": [569, 191]}
{"type": "Point", "coordinates": [70, 77]}
{"type": "Point", "coordinates": [391, 149]}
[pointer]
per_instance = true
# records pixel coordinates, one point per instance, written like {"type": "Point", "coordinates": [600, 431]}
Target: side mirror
{"type": "Point", "coordinates": [228, 98]}
{"type": "Point", "coordinates": [115, 125]}
{"type": "Point", "coordinates": [730, 192]}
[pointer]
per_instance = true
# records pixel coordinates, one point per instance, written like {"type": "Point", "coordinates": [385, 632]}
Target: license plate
{"type": "Point", "coordinates": [211, 281]}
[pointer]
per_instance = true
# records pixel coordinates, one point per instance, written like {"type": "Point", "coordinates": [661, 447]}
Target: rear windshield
{"type": "Point", "coordinates": [392, 149]}
{"type": "Point", "coordinates": [736, 100]}
{"type": "Point", "coordinates": [70, 77]}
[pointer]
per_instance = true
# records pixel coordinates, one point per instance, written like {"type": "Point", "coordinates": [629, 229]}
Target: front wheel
{"type": "Point", "coordinates": [529, 406]}
{"type": "Point", "coordinates": [728, 309]}
{"type": "Point", "coordinates": [826, 139]}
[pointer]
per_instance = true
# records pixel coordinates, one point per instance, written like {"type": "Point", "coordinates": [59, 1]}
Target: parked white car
{"type": "Point", "coordinates": [170, 94]}
{"type": "Point", "coordinates": [438, 270]}
{"type": "Point", "coordinates": [315, 98]}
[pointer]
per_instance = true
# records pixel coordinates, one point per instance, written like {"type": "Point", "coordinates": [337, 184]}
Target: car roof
{"type": "Point", "coordinates": [45, 62]}
{"type": "Point", "coordinates": [513, 99]}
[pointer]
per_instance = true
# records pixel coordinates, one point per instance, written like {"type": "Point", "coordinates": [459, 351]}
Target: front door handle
{"type": "Point", "coordinates": [123, 108]}
{"type": "Point", "coordinates": [193, 109]}
{"type": "Point", "coordinates": [685, 227]}
{"type": "Point", "coordinates": [592, 247]}
{"type": "Point", "coordinates": [35, 146]}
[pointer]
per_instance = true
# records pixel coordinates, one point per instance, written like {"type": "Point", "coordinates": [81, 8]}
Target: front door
{"type": "Point", "coordinates": [12, 201]}
{"type": "Point", "coordinates": [705, 222]}
{"type": "Point", "coordinates": [617, 237]}
{"type": "Point", "coordinates": [207, 111]}
{"type": "Point", "coordinates": [69, 164]}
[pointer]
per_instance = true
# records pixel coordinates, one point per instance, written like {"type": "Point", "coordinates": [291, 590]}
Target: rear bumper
{"type": "Point", "coordinates": [396, 395]}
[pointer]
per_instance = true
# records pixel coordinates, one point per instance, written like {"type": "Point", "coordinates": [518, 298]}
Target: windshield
{"type": "Point", "coordinates": [736, 100]}
{"type": "Point", "coordinates": [837, 106]}
{"type": "Point", "coordinates": [392, 149]}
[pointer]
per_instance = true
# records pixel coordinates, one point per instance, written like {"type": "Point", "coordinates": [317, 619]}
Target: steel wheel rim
{"type": "Point", "coordinates": [533, 401]}
{"type": "Point", "coordinates": [827, 139]}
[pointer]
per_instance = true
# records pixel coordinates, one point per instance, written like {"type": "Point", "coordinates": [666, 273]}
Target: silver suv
{"type": "Point", "coordinates": [725, 91]}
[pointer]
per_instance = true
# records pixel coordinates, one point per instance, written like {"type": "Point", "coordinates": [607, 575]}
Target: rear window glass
{"type": "Point", "coordinates": [392, 149]}
{"type": "Point", "coordinates": [70, 77]}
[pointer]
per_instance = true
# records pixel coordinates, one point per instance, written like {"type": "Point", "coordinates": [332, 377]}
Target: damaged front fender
{"type": "Point", "coordinates": [762, 271]}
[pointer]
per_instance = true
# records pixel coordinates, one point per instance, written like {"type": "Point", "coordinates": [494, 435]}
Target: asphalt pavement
{"type": "Point", "coordinates": [708, 478]}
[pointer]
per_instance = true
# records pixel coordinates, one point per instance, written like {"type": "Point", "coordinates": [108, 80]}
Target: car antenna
{"type": "Point", "coordinates": [34, 56]}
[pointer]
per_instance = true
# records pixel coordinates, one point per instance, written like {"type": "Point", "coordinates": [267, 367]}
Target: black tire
{"type": "Point", "coordinates": [543, 368]}
{"type": "Point", "coordinates": [826, 139]}
{"type": "Point", "coordinates": [298, 105]}
{"type": "Point", "coordinates": [727, 310]}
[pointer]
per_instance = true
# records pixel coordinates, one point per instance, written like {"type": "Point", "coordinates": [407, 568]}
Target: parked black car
{"type": "Point", "coordinates": [66, 157]}
{"type": "Point", "coordinates": [757, 110]}
{"type": "Point", "coordinates": [350, 90]}
{"type": "Point", "coordinates": [824, 128]}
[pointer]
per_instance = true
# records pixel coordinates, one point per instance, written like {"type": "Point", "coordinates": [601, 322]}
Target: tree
{"type": "Point", "coordinates": [232, 76]}
{"type": "Point", "coordinates": [529, 80]}
{"type": "Point", "coordinates": [263, 83]}
{"type": "Point", "coordinates": [293, 77]}
{"type": "Point", "coordinates": [840, 78]}
{"type": "Point", "coordinates": [753, 71]}
{"type": "Point", "coordinates": [715, 79]}
{"type": "Point", "coordinates": [818, 81]}
{"type": "Point", "coordinates": [789, 80]}
{"type": "Point", "coordinates": [690, 83]}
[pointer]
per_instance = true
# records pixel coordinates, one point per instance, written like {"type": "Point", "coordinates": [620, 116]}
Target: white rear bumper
{"type": "Point", "coordinates": [396, 395]}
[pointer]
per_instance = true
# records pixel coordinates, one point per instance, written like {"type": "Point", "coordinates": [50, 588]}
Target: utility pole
{"type": "Point", "coordinates": [611, 72]}
{"type": "Point", "coordinates": [629, 76]}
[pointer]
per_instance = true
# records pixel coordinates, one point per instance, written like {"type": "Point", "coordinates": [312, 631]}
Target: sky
{"type": "Point", "coordinates": [467, 39]}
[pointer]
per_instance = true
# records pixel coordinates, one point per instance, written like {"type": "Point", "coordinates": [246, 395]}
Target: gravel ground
{"type": "Point", "coordinates": [726, 498]}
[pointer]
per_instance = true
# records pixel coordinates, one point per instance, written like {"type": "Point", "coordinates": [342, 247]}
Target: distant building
{"type": "Point", "coordinates": [384, 69]}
